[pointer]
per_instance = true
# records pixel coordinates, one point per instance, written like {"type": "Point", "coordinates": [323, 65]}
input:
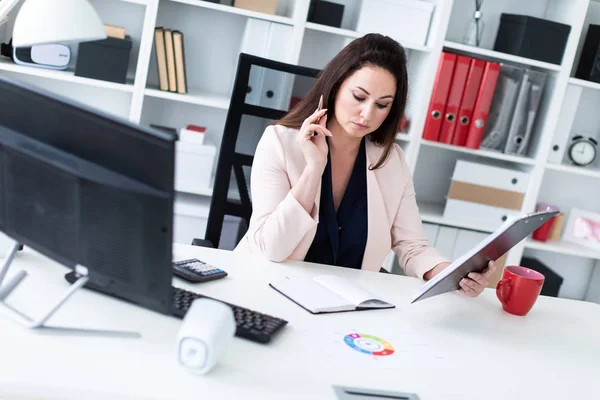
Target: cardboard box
{"type": "Point", "coordinates": [263, 6]}
{"type": "Point", "coordinates": [484, 194]}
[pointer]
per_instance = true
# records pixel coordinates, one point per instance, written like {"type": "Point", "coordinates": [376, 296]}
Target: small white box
{"type": "Point", "coordinates": [190, 215]}
{"type": "Point", "coordinates": [193, 165]}
{"type": "Point", "coordinates": [481, 214]}
{"type": "Point", "coordinates": [191, 136]}
{"type": "Point", "coordinates": [487, 175]}
{"type": "Point", "coordinates": [406, 21]}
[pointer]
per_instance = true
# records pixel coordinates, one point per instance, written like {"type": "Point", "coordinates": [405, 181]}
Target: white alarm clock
{"type": "Point", "coordinates": [582, 151]}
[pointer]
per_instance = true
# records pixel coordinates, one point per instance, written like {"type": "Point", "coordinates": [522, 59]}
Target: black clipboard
{"type": "Point", "coordinates": [492, 248]}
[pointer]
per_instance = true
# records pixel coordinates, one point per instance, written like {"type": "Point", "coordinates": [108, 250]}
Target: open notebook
{"type": "Point", "coordinates": [327, 294]}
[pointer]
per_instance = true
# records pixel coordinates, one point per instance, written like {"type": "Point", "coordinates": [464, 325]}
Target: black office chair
{"type": "Point", "coordinates": [263, 92]}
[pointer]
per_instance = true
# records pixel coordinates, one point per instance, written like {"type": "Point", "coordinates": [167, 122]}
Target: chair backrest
{"type": "Point", "coordinates": [264, 90]}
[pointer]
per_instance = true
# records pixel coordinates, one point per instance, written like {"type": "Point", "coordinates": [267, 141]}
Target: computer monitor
{"type": "Point", "coordinates": [85, 188]}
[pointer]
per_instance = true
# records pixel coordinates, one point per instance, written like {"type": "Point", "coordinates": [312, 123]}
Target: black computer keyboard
{"type": "Point", "coordinates": [250, 324]}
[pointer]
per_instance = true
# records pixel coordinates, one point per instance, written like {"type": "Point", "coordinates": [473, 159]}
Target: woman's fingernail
{"type": "Point", "coordinates": [471, 275]}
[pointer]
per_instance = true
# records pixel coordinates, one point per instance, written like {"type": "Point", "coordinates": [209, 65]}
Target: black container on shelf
{"type": "Point", "coordinates": [589, 62]}
{"type": "Point", "coordinates": [326, 13]}
{"type": "Point", "coordinates": [531, 37]}
{"type": "Point", "coordinates": [552, 281]}
{"type": "Point", "coordinates": [106, 59]}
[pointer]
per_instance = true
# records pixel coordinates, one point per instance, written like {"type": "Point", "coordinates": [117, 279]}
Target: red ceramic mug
{"type": "Point", "coordinates": [519, 289]}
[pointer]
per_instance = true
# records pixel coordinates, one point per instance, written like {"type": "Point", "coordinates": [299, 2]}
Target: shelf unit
{"type": "Point", "coordinates": [214, 34]}
{"type": "Point", "coordinates": [6, 65]}
{"type": "Point", "coordinates": [489, 154]}
{"type": "Point", "coordinates": [568, 169]}
{"type": "Point", "coordinates": [585, 84]}
{"type": "Point", "coordinates": [237, 11]}
{"type": "Point", "coordinates": [434, 213]}
{"type": "Point", "coordinates": [348, 33]}
{"type": "Point", "coordinates": [473, 51]}
{"type": "Point", "coordinates": [562, 247]}
{"type": "Point", "coordinates": [192, 97]}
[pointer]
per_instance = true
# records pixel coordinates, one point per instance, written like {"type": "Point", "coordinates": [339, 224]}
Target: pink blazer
{"type": "Point", "coordinates": [281, 229]}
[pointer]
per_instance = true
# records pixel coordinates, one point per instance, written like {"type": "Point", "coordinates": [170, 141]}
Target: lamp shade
{"type": "Point", "coordinates": [56, 21]}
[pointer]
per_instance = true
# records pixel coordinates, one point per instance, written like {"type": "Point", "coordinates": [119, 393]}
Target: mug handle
{"type": "Point", "coordinates": [500, 292]}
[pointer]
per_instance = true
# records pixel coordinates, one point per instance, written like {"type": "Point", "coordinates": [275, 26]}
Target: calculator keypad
{"type": "Point", "coordinates": [202, 268]}
{"type": "Point", "coordinates": [198, 268]}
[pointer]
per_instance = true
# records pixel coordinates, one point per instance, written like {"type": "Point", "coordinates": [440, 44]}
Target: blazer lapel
{"type": "Point", "coordinates": [329, 207]}
{"type": "Point", "coordinates": [378, 235]}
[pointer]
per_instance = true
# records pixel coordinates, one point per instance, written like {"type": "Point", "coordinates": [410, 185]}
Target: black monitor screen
{"type": "Point", "coordinates": [85, 188]}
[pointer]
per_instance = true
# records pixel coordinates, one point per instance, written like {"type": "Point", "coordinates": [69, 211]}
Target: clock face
{"type": "Point", "coordinates": [582, 152]}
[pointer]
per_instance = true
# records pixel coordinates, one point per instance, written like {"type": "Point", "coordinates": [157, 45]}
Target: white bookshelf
{"type": "Point", "coordinates": [214, 34]}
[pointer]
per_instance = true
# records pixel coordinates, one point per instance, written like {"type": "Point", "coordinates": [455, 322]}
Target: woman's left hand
{"type": "Point", "coordinates": [473, 284]}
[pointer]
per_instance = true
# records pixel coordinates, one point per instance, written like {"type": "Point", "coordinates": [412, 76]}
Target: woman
{"type": "Point", "coordinates": [331, 186]}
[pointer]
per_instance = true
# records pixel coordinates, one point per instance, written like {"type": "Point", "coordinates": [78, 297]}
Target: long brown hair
{"type": "Point", "coordinates": [370, 50]}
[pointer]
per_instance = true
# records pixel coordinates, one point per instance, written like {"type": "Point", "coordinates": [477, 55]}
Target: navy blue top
{"type": "Point", "coordinates": [341, 237]}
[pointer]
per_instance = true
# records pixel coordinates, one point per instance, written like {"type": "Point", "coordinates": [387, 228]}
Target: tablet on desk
{"type": "Point", "coordinates": [352, 393]}
{"type": "Point", "coordinates": [492, 248]}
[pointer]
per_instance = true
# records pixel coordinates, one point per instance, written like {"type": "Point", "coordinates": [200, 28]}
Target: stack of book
{"type": "Point", "coordinates": [170, 57]}
{"type": "Point", "coordinates": [477, 103]}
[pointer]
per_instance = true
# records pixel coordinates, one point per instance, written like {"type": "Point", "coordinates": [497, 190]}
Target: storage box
{"type": "Point", "coordinates": [106, 59]}
{"type": "Point", "coordinates": [326, 13]}
{"type": "Point", "coordinates": [531, 37]}
{"type": "Point", "coordinates": [484, 194]}
{"type": "Point", "coordinates": [406, 21]}
{"type": "Point", "coordinates": [263, 6]}
{"type": "Point", "coordinates": [589, 62]}
{"type": "Point", "coordinates": [190, 216]}
{"type": "Point", "coordinates": [552, 281]}
{"type": "Point", "coordinates": [194, 165]}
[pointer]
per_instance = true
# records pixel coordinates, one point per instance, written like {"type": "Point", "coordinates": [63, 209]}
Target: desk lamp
{"type": "Point", "coordinates": [53, 21]}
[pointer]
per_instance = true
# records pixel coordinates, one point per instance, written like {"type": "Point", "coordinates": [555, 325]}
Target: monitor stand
{"type": "Point", "coordinates": [9, 286]}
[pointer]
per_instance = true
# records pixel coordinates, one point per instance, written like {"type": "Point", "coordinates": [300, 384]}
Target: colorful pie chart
{"type": "Point", "coordinates": [368, 344]}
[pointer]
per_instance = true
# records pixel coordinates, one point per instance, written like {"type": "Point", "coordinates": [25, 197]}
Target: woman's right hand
{"type": "Point", "coordinates": [314, 147]}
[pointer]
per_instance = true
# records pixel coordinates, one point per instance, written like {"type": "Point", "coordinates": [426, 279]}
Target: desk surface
{"type": "Point", "coordinates": [447, 347]}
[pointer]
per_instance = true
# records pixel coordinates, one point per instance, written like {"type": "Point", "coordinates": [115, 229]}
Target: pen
{"type": "Point", "coordinates": [319, 109]}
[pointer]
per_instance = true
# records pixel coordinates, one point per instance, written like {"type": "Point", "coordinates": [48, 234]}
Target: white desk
{"type": "Point", "coordinates": [448, 347]}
